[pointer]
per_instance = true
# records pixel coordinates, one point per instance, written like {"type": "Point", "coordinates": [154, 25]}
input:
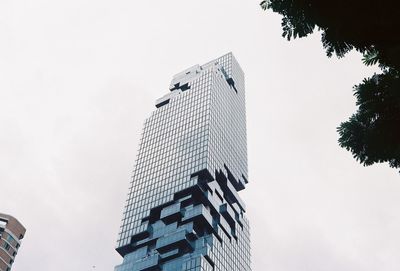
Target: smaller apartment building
{"type": "Point", "coordinates": [11, 234]}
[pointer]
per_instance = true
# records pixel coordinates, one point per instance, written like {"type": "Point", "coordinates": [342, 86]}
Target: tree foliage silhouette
{"type": "Point", "coordinates": [372, 134]}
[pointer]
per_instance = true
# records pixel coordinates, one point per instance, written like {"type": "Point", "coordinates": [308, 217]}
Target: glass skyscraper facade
{"type": "Point", "coordinates": [183, 210]}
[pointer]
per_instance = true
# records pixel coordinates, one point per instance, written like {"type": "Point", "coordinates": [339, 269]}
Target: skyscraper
{"type": "Point", "coordinates": [11, 233]}
{"type": "Point", "coordinates": [183, 210]}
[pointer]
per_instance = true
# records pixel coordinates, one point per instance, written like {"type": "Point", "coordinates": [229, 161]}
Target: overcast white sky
{"type": "Point", "coordinates": [79, 77]}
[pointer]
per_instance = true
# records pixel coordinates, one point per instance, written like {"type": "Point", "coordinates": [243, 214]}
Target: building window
{"type": "Point", "coordinates": [10, 239]}
{"type": "Point", "coordinates": [6, 246]}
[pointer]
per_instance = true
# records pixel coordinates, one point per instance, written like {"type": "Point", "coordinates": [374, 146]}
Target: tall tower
{"type": "Point", "coordinates": [183, 210]}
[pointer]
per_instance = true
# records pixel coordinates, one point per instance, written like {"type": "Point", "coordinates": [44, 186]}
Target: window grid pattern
{"type": "Point", "coordinates": [228, 143]}
{"type": "Point", "coordinates": [173, 146]}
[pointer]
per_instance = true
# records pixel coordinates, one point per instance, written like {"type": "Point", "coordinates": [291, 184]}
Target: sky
{"type": "Point", "coordinates": [79, 77]}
